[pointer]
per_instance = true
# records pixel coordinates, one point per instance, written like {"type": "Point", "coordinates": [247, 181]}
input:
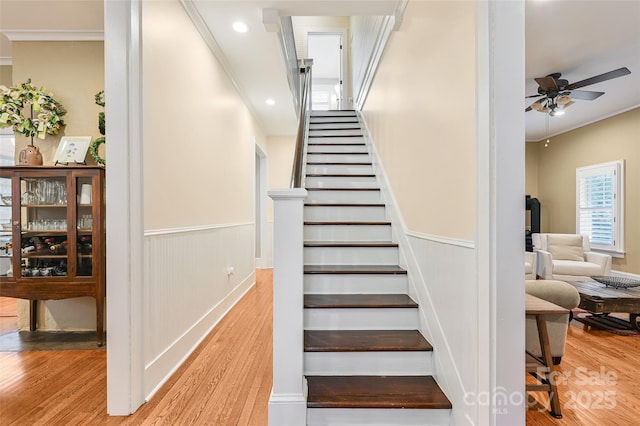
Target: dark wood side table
{"type": "Point", "coordinates": [542, 368]}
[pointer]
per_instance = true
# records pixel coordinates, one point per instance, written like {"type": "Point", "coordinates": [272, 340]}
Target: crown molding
{"type": "Point", "coordinates": [54, 35]}
{"type": "Point", "coordinates": [6, 60]}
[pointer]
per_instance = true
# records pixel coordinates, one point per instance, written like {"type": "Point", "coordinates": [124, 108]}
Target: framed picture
{"type": "Point", "coordinates": [72, 149]}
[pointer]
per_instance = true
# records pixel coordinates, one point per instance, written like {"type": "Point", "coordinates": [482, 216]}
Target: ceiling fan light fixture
{"type": "Point", "coordinates": [564, 100]}
{"type": "Point", "coordinates": [556, 111]}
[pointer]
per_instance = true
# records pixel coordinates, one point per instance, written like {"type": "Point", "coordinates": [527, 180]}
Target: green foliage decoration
{"type": "Point", "coordinates": [93, 148]}
{"type": "Point", "coordinates": [44, 112]}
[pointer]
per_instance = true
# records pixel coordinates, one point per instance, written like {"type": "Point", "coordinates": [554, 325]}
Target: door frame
{"type": "Point", "coordinates": [343, 62]}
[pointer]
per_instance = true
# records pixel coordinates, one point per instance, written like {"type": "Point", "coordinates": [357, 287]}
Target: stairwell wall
{"type": "Point", "coordinates": [421, 114]}
{"type": "Point", "coordinates": [199, 163]}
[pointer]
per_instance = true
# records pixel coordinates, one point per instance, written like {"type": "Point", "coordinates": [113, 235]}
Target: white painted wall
{"type": "Point", "coordinates": [199, 142]}
{"type": "Point", "coordinates": [452, 145]}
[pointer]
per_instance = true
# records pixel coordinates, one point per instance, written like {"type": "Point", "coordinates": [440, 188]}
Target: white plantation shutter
{"type": "Point", "coordinates": [599, 205]}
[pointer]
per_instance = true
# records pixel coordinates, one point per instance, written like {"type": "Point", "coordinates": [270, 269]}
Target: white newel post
{"type": "Point", "coordinates": [288, 401]}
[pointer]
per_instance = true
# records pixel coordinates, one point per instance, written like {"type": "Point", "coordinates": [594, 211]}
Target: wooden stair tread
{"type": "Point", "coordinates": [338, 144]}
{"type": "Point", "coordinates": [344, 204]}
{"type": "Point", "coordinates": [336, 136]}
{"type": "Point", "coordinates": [328, 301]}
{"type": "Point", "coordinates": [331, 128]}
{"type": "Point", "coordinates": [334, 163]}
{"type": "Point", "coordinates": [343, 175]}
{"type": "Point", "coordinates": [364, 341]}
{"type": "Point", "coordinates": [375, 392]}
{"type": "Point", "coordinates": [350, 244]}
{"type": "Point", "coordinates": [347, 223]}
{"type": "Point", "coordinates": [342, 189]}
{"type": "Point", "coordinates": [354, 269]}
{"type": "Point", "coordinates": [337, 153]}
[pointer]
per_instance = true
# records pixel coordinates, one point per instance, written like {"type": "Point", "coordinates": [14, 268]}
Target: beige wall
{"type": "Point", "coordinates": [616, 138]}
{"type": "Point", "coordinates": [74, 72]}
{"type": "Point", "coordinates": [199, 137]}
{"type": "Point", "coordinates": [421, 112]}
{"type": "Point", "coordinates": [5, 75]}
{"type": "Point", "coordinates": [279, 164]}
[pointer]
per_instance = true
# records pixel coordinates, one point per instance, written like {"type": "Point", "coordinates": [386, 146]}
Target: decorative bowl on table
{"type": "Point", "coordinates": [6, 199]}
{"type": "Point", "coordinates": [616, 282]}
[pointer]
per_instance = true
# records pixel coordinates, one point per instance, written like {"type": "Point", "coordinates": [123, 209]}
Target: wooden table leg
{"type": "Point", "coordinates": [543, 335]}
{"type": "Point", "coordinates": [33, 314]}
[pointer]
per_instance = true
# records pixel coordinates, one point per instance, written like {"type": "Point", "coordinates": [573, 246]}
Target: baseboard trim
{"type": "Point", "coordinates": [160, 369]}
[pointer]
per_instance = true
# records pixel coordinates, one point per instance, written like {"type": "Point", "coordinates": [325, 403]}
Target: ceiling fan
{"type": "Point", "coordinates": [557, 94]}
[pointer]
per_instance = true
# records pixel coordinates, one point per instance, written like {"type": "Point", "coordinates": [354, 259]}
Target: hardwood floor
{"type": "Point", "coordinates": [598, 383]}
{"type": "Point", "coordinates": [227, 380]}
{"type": "Point", "coordinates": [8, 315]}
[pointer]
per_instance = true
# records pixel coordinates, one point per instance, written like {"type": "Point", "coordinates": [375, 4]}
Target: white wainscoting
{"type": "Point", "coordinates": [442, 281]}
{"type": "Point", "coordinates": [266, 261]}
{"type": "Point", "coordinates": [188, 289]}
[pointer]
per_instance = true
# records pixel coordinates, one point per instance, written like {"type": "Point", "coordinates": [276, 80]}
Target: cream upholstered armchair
{"type": "Point", "coordinates": [559, 293]}
{"type": "Point", "coordinates": [530, 264]}
{"type": "Point", "coordinates": [568, 257]}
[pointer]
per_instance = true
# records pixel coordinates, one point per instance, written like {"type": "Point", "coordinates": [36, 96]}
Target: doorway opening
{"type": "Point", "coordinates": [326, 50]}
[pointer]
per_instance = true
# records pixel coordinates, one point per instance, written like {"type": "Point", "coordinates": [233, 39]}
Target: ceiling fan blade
{"type": "Point", "coordinates": [585, 95]}
{"type": "Point", "coordinates": [599, 78]}
{"type": "Point", "coordinates": [546, 83]}
{"type": "Point", "coordinates": [539, 101]}
{"type": "Point", "coordinates": [533, 96]}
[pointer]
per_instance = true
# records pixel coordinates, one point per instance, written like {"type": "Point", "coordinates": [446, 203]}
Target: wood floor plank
{"type": "Point", "coordinates": [358, 301]}
{"type": "Point", "coordinates": [226, 381]}
{"type": "Point", "coordinates": [364, 341]}
{"type": "Point", "coordinates": [24, 379]}
{"type": "Point", "coordinates": [375, 392]}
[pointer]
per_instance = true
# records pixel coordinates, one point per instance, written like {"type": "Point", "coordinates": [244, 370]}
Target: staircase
{"type": "Point", "coordinates": [365, 361]}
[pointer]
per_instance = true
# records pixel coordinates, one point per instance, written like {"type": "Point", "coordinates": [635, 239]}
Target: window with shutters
{"type": "Point", "coordinates": [599, 205]}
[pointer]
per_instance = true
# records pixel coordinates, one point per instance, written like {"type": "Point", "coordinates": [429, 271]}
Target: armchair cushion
{"type": "Point", "coordinates": [571, 267]}
{"type": "Point", "coordinates": [565, 247]}
{"type": "Point", "coordinates": [559, 293]}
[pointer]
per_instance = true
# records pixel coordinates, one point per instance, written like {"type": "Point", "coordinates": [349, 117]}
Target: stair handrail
{"type": "Point", "coordinates": [303, 120]}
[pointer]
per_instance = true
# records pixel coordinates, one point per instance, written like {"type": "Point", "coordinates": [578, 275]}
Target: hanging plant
{"type": "Point", "coordinates": [93, 148]}
{"type": "Point", "coordinates": [30, 110]}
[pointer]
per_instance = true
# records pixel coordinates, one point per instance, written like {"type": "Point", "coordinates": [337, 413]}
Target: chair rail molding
{"type": "Point", "coordinates": [54, 35]}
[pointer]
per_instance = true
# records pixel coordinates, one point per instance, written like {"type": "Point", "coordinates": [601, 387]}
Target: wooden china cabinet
{"type": "Point", "coordinates": [52, 241]}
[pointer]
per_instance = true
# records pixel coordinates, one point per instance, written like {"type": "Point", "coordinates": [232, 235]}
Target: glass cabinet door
{"type": "Point", "coordinates": [6, 239]}
{"type": "Point", "coordinates": [84, 225]}
{"type": "Point", "coordinates": [43, 226]}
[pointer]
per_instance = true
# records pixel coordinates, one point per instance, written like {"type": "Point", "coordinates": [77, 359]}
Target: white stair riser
{"type": "Point", "coordinates": [347, 232]}
{"type": "Point", "coordinates": [355, 284]}
{"type": "Point", "coordinates": [337, 139]}
{"type": "Point", "coordinates": [313, 213]}
{"type": "Point", "coordinates": [338, 158]}
{"type": "Point", "coordinates": [340, 169]}
{"type": "Point", "coordinates": [332, 126]}
{"type": "Point", "coordinates": [361, 319]}
{"type": "Point", "coordinates": [333, 113]}
{"type": "Point", "coordinates": [377, 417]}
{"type": "Point", "coordinates": [351, 255]}
{"type": "Point", "coordinates": [337, 148]}
{"type": "Point", "coordinates": [315, 120]}
{"type": "Point", "coordinates": [398, 363]}
{"type": "Point", "coordinates": [334, 132]}
{"type": "Point", "coordinates": [341, 182]}
{"type": "Point", "coordinates": [355, 197]}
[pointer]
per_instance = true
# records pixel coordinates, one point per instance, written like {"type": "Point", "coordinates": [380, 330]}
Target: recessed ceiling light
{"type": "Point", "coordinates": [240, 27]}
{"type": "Point", "coordinates": [270, 102]}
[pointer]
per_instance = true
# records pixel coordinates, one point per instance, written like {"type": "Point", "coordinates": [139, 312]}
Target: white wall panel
{"type": "Point", "coordinates": [187, 290]}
